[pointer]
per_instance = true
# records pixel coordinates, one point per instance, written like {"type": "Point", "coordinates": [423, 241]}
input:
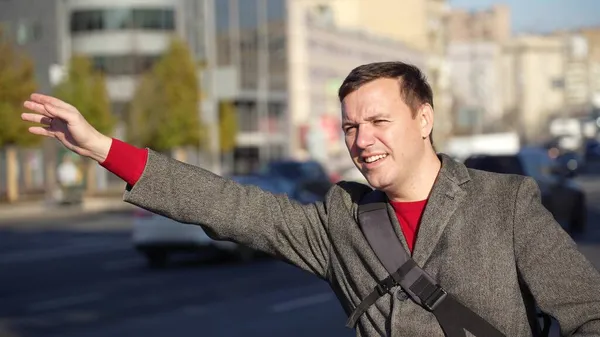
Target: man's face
{"type": "Point", "coordinates": [382, 136]}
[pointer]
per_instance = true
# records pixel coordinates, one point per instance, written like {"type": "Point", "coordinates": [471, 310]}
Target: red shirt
{"type": "Point", "coordinates": [128, 162]}
{"type": "Point", "coordinates": [409, 216]}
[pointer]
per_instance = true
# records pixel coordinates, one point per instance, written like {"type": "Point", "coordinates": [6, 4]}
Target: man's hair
{"type": "Point", "coordinates": [414, 89]}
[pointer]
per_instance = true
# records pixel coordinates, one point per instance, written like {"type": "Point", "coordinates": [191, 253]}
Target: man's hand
{"type": "Point", "coordinates": [63, 122]}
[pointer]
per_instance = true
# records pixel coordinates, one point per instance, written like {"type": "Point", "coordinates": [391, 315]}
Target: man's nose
{"type": "Point", "coordinates": [364, 137]}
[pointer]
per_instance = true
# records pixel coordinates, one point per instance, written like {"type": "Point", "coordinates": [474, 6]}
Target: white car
{"type": "Point", "coordinates": [156, 237]}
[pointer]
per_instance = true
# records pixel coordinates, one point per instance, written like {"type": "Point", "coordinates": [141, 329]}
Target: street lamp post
{"type": "Point", "coordinates": [263, 79]}
{"type": "Point", "coordinates": [209, 105]}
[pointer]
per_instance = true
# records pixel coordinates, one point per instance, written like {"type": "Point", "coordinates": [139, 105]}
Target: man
{"type": "Point", "coordinates": [480, 235]}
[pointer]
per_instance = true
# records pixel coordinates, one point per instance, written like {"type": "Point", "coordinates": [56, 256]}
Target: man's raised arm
{"type": "Point", "coordinates": [189, 194]}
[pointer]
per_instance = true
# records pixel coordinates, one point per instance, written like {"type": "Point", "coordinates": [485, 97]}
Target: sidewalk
{"type": "Point", "coordinates": [33, 210]}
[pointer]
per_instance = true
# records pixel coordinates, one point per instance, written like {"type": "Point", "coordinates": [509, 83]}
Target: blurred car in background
{"type": "Point", "coordinates": [302, 177]}
{"type": "Point", "coordinates": [560, 194]}
{"type": "Point", "coordinates": [592, 150]}
{"type": "Point", "coordinates": [572, 161]}
{"type": "Point", "coordinates": [157, 237]}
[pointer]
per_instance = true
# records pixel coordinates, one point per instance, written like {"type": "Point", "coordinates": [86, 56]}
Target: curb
{"type": "Point", "coordinates": [42, 211]}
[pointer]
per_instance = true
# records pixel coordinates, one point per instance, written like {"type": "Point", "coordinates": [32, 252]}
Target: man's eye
{"type": "Point", "coordinates": [349, 129]}
{"type": "Point", "coordinates": [380, 121]}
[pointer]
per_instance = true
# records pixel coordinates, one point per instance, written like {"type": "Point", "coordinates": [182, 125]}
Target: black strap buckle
{"type": "Point", "coordinates": [382, 288]}
{"type": "Point", "coordinates": [436, 297]}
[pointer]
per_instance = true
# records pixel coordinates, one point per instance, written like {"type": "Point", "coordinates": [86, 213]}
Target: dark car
{"type": "Point", "coordinates": [560, 195]}
{"type": "Point", "coordinates": [592, 150]}
{"type": "Point", "coordinates": [306, 178]}
{"type": "Point", "coordinates": [571, 161]}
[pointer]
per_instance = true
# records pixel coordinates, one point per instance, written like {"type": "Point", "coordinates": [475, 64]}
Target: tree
{"type": "Point", "coordinates": [85, 88]}
{"type": "Point", "coordinates": [228, 126]}
{"type": "Point", "coordinates": [164, 111]}
{"type": "Point", "coordinates": [228, 130]}
{"type": "Point", "coordinates": [17, 82]}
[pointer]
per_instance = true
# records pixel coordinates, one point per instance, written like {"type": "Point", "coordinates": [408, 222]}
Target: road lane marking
{"type": "Point", "coordinates": [302, 302]}
{"type": "Point", "coordinates": [62, 302]}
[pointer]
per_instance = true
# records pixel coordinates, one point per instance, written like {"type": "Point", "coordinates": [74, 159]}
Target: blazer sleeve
{"type": "Point", "coordinates": [564, 283]}
{"type": "Point", "coordinates": [230, 211]}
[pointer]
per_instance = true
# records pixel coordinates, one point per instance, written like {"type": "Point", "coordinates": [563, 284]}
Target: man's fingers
{"type": "Point", "coordinates": [45, 99]}
{"type": "Point", "coordinates": [36, 118]}
{"type": "Point", "coordinates": [42, 131]}
{"type": "Point", "coordinates": [56, 112]}
{"type": "Point", "coordinates": [37, 107]}
{"type": "Point", "coordinates": [49, 110]}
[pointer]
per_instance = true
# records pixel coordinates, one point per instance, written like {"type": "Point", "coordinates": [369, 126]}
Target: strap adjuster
{"type": "Point", "coordinates": [436, 297]}
{"type": "Point", "coordinates": [382, 288]}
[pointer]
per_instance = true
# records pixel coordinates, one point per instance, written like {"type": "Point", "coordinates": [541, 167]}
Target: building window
{"type": "Point", "coordinates": [124, 18]}
{"type": "Point", "coordinates": [28, 32]}
{"type": "Point", "coordinates": [124, 64]}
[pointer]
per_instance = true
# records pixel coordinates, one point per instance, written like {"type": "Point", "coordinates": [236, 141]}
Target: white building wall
{"type": "Point", "coordinates": [476, 77]}
{"type": "Point", "coordinates": [536, 67]}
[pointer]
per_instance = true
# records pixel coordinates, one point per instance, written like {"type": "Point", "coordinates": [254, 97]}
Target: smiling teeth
{"type": "Point", "coordinates": [375, 158]}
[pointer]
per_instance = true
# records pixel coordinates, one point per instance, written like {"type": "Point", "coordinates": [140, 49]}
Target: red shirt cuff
{"type": "Point", "coordinates": [126, 161]}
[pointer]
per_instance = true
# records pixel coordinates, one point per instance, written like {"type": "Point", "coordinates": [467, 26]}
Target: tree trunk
{"type": "Point", "coordinates": [12, 174]}
{"type": "Point", "coordinates": [27, 172]}
{"type": "Point", "coordinates": [90, 177]}
{"type": "Point", "coordinates": [50, 163]}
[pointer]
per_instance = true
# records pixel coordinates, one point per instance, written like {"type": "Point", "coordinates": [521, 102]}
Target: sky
{"type": "Point", "coordinates": [543, 15]}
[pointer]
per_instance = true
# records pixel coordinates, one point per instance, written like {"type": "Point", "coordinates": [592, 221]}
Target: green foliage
{"type": "Point", "coordinates": [17, 82]}
{"type": "Point", "coordinates": [164, 112]}
{"type": "Point", "coordinates": [85, 89]}
{"type": "Point", "coordinates": [228, 126]}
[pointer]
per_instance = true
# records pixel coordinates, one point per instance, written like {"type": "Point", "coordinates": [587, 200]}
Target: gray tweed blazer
{"type": "Point", "coordinates": [480, 234]}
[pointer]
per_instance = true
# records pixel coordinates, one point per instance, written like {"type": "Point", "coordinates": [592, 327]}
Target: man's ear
{"type": "Point", "coordinates": [425, 116]}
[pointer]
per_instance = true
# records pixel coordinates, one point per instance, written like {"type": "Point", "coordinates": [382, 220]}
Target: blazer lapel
{"type": "Point", "coordinates": [445, 197]}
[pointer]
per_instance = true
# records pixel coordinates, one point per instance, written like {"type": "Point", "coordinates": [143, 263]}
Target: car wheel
{"type": "Point", "coordinates": [157, 258]}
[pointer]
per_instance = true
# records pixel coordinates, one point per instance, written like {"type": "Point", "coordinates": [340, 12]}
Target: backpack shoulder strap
{"type": "Point", "coordinates": [453, 317]}
{"type": "Point", "coordinates": [374, 221]}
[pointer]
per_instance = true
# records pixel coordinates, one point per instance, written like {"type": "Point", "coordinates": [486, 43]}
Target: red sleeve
{"type": "Point", "coordinates": [126, 161]}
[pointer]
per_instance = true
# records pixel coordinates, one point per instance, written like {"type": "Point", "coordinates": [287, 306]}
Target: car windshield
{"type": "Point", "coordinates": [498, 164]}
{"type": "Point", "coordinates": [295, 170]}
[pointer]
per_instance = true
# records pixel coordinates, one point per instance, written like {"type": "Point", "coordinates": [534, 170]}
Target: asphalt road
{"type": "Point", "coordinates": [92, 283]}
{"type": "Point", "coordinates": [83, 279]}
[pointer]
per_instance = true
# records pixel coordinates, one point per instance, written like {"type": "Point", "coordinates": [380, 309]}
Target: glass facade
{"type": "Point", "coordinates": [249, 41]}
{"type": "Point", "coordinates": [124, 64]}
{"type": "Point", "coordinates": [123, 18]}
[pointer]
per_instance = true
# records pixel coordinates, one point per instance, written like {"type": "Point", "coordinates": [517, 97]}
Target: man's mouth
{"type": "Point", "coordinates": [374, 158]}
